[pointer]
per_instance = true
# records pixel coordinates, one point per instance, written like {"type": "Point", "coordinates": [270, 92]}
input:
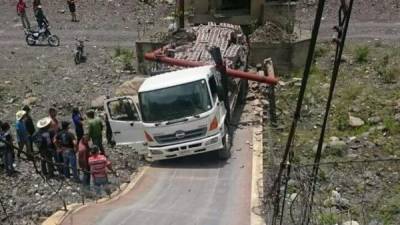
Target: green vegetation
{"type": "Point", "coordinates": [361, 54]}
{"type": "Point", "coordinates": [327, 219]}
{"type": "Point", "coordinates": [390, 210]}
{"type": "Point", "coordinates": [124, 58]}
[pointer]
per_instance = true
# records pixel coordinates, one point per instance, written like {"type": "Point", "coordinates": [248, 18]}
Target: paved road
{"type": "Point", "coordinates": [197, 190]}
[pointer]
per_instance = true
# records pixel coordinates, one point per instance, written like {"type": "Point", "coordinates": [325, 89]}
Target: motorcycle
{"type": "Point", "coordinates": [41, 35]}
{"type": "Point", "coordinates": [79, 53]}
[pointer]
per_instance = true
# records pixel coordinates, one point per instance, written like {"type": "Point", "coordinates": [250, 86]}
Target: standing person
{"type": "Point", "coordinates": [22, 133]}
{"type": "Point", "coordinates": [109, 135]}
{"type": "Point", "coordinates": [95, 130]}
{"type": "Point", "coordinates": [54, 129]}
{"type": "Point", "coordinates": [77, 119]}
{"type": "Point", "coordinates": [35, 5]}
{"type": "Point", "coordinates": [43, 140]}
{"type": "Point", "coordinates": [65, 141]}
{"type": "Point", "coordinates": [30, 128]}
{"type": "Point", "coordinates": [98, 168]}
{"type": "Point", "coordinates": [83, 159]}
{"type": "Point", "coordinates": [7, 149]}
{"type": "Point", "coordinates": [41, 18]}
{"type": "Point", "coordinates": [21, 6]}
{"type": "Point", "coordinates": [72, 9]}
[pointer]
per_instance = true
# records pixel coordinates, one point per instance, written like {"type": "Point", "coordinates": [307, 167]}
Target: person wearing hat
{"type": "Point", "coordinates": [66, 142]}
{"type": "Point", "coordinates": [99, 164]}
{"type": "Point", "coordinates": [22, 133]}
{"type": "Point", "coordinates": [30, 128]}
{"type": "Point", "coordinates": [43, 140]}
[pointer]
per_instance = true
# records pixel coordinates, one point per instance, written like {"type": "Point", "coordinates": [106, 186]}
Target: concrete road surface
{"type": "Point", "coordinates": [197, 190]}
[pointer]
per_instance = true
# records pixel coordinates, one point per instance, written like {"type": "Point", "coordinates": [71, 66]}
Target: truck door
{"type": "Point", "coordinates": [126, 123]}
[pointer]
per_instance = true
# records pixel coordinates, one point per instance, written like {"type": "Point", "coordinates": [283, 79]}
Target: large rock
{"type": "Point", "coordinates": [337, 147]}
{"type": "Point", "coordinates": [98, 102]}
{"type": "Point", "coordinates": [352, 222]}
{"type": "Point", "coordinates": [130, 87]}
{"type": "Point", "coordinates": [397, 117]}
{"type": "Point", "coordinates": [374, 120]}
{"type": "Point", "coordinates": [355, 121]}
{"type": "Point", "coordinates": [30, 101]}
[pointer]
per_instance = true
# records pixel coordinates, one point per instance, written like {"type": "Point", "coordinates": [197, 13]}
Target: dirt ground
{"type": "Point", "coordinates": [46, 76]}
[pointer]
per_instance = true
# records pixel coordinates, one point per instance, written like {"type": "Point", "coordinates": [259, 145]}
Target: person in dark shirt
{"type": "Point", "coordinates": [77, 120]}
{"type": "Point", "coordinates": [65, 140]}
{"type": "Point", "coordinates": [41, 19]}
{"type": "Point", "coordinates": [7, 149]}
{"type": "Point", "coordinates": [30, 128]}
{"type": "Point", "coordinates": [43, 140]}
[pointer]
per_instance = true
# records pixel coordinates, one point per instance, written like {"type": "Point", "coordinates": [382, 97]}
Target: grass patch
{"type": "Point", "coordinates": [361, 54]}
{"type": "Point", "coordinates": [327, 219]}
{"type": "Point", "coordinates": [124, 57]}
{"type": "Point", "coordinates": [390, 209]}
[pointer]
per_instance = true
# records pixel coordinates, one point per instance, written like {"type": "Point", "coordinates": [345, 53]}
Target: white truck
{"type": "Point", "coordinates": [176, 114]}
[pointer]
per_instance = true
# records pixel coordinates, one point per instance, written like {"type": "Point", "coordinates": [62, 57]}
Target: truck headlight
{"type": "Point", "coordinates": [212, 141]}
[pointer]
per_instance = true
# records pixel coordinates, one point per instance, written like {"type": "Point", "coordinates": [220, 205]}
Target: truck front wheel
{"type": "Point", "coordinates": [225, 152]}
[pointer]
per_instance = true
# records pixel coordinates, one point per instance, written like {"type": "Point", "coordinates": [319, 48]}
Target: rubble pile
{"type": "Point", "coordinates": [270, 33]}
{"type": "Point", "coordinates": [229, 38]}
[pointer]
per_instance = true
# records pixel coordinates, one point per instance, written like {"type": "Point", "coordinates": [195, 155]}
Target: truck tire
{"type": "Point", "coordinates": [225, 152]}
{"type": "Point", "coordinates": [244, 86]}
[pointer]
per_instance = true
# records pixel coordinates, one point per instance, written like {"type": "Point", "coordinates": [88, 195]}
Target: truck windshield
{"type": "Point", "coordinates": [175, 102]}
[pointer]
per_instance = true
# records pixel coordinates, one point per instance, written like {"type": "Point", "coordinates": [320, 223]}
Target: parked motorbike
{"type": "Point", "coordinates": [41, 35]}
{"type": "Point", "coordinates": [79, 53]}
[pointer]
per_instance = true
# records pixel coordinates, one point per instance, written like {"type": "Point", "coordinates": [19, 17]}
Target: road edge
{"type": "Point", "coordinates": [257, 176]}
{"type": "Point", "coordinates": [59, 216]}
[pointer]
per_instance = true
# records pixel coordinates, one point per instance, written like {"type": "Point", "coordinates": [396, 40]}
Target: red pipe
{"type": "Point", "coordinates": [158, 56]}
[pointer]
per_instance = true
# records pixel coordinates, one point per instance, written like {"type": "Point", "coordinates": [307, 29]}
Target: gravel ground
{"type": "Point", "coordinates": [45, 77]}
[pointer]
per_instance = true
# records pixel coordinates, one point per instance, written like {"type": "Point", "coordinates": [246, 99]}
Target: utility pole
{"type": "Point", "coordinates": [181, 13]}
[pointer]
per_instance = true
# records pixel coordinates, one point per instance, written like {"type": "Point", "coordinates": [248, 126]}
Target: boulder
{"type": "Point", "coordinates": [355, 121]}
{"type": "Point", "coordinates": [98, 102]}
{"type": "Point", "coordinates": [30, 101]}
{"type": "Point", "coordinates": [130, 87]}
{"type": "Point", "coordinates": [374, 120]}
{"type": "Point", "coordinates": [397, 117]}
{"type": "Point", "coordinates": [337, 145]}
{"type": "Point", "coordinates": [351, 222]}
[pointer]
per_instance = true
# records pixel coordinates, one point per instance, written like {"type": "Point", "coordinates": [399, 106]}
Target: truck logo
{"type": "Point", "coordinates": [180, 134]}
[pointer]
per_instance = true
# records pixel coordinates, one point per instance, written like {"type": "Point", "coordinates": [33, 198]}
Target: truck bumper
{"type": "Point", "coordinates": [207, 144]}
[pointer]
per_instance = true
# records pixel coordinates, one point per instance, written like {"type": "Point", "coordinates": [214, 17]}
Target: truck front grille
{"type": "Point", "coordinates": [189, 134]}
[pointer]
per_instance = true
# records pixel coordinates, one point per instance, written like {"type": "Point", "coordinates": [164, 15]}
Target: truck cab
{"type": "Point", "coordinates": [176, 114]}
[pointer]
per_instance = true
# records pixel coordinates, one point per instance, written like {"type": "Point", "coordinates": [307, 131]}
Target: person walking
{"type": "Point", "coordinates": [6, 148]}
{"type": "Point", "coordinates": [98, 168]}
{"type": "Point", "coordinates": [43, 140]}
{"type": "Point", "coordinates": [77, 120]}
{"type": "Point", "coordinates": [22, 133]}
{"type": "Point", "coordinates": [72, 10]}
{"type": "Point", "coordinates": [30, 128]}
{"type": "Point", "coordinates": [65, 140]}
{"type": "Point", "coordinates": [21, 6]}
{"type": "Point", "coordinates": [95, 130]}
{"type": "Point", "coordinates": [83, 160]}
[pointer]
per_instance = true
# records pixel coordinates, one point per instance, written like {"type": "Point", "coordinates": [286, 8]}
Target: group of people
{"type": "Point", "coordinates": [60, 150]}
{"type": "Point", "coordinates": [39, 14]}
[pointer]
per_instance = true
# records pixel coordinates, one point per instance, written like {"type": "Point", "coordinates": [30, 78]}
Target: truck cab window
{"type": "Point", "coordinates": [123, 110]}
{"type": "Point", "coordinates": [213, 87]}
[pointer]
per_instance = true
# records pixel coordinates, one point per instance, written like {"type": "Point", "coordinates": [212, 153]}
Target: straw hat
{"type": "Point", "coordinates": [20, 114]}
{"type": "Point", "coordinates": [44, 122]}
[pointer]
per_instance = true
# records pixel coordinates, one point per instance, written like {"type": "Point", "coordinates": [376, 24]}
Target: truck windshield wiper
{"type": "Point", "coordinates": [176, 121]}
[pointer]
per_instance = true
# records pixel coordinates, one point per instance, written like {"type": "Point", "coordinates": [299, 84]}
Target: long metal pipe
{"type": "Point", "coordinates": [158, 56]}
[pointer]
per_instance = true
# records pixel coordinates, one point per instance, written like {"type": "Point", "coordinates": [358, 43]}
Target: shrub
{"type": "Point", "coordinates": [124, 57]}
{"type": "Point", "coordinates": [361, 54]}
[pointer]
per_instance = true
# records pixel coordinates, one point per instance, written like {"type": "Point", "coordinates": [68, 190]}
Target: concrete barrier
{"type": "Point", "coordinates": [287, 57]}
